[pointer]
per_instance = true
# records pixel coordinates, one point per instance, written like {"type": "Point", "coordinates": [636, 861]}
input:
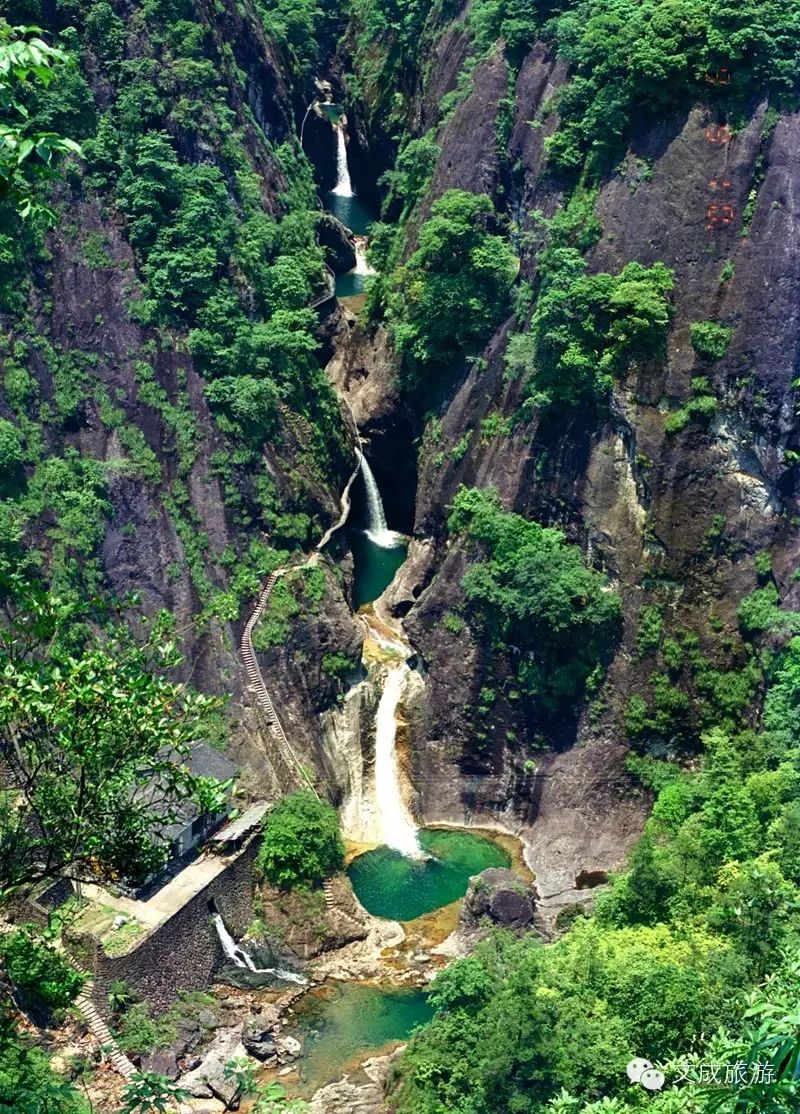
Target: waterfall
{"type": "Point", "coordinates": [242, 958]}
{"type": "Point", "coordinates": [361, 267]}
{"type": "Point", "coordinates": [377, 530]}
{"type": "Point", "coordinates": [398, 829]}
{"type": "Point", "coordinates": [343, 188]}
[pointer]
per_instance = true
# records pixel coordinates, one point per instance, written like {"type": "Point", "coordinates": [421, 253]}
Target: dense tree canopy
{"type": "Point", "coordinates": [587, 329]}
{"type": "Point", "coordinates": [94, 740]}
{"type": "Point", "coordinates": [453, 290]}
{"type": "Point", "coordinates": [635, 60]}
{"type": "Point", "coordinates": [531, 590]}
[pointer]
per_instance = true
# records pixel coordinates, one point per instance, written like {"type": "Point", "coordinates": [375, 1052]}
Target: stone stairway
{"type": "Point", "coordinates": [290, 759]}
{"type": "Point", "coordinates": [327, 888]}
{"type": "Point", "coordinates": [118, 1060]}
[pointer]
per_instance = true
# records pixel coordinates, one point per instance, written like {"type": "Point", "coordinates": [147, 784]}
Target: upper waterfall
{"type": "Point", "coordinates": [397, 827]}
{"type": "Point", "coordinates": [343, 187]}
{"type": "Point", "coordinates": [377, 530]}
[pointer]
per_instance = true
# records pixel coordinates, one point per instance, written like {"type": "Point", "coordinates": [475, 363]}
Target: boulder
{"type": "Point", "coordinates": [161, 1061]}
{"type": "Point", "coordinates": [258, 1038]}
{"type": "Point", "coordinates": [337, 243]}
{"type": "Point", "coordinates": [498, 896]}
{"type": "Point", "coordinates": [289, 1048]}
{"type": "Point", "coordinates": [208, 1080]}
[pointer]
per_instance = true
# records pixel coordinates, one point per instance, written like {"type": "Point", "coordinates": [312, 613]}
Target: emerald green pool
{"type": "Point", "coordinates": [389, 885]}
{"type": "Point", "coordinates": [349, 211]}
{"type": "Point", "coordinates": [343, 1021]}
{"type": "Point", "coordinates": [374, 566]}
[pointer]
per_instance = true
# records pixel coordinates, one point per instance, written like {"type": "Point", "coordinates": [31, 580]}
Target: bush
{"type": "Point", "coordinates": [454, 289]}
{"type": "Point", "coordinates": [40, 973]}
{"type": "Point", "coordinates": [302, 845]}
{"type": "Point", "coordinates": [531, 590]}
{"type": "Point", "coordinates": [710, 340]}
{"type": "Point", "coordinates": [139, 1032]}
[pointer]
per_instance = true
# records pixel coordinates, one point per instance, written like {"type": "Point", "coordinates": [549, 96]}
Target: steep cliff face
{"type": "Point", "coordinates": [190, 169]}
{"type": "Point", "coordinates": [674, 516]}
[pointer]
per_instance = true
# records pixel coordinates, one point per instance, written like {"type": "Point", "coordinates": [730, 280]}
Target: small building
{"type": "Point", "coordinates": [189, 827]}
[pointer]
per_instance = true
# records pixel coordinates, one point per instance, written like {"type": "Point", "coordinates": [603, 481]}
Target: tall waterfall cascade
{"type": "Point", "coordinates": [343, 187]}
{"type": "Point", "coordinates": [398, 829]}
{"type": "Point", "coordinates": [377, 530]}
{"type": "Point", "coordinates": [242, 958]}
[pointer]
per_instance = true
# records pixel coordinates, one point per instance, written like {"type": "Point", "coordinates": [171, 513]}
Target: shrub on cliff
{"type": "Point", "coordinates": [531, 591]}
{"type": "Point", "coordinates": [710, 340]}
{"type": "Point", "coordinates": [587, 329]}
{"type": "Point", "coordinates": [453, 291]}
{"type": "Point", "coordinates": [302, 845]}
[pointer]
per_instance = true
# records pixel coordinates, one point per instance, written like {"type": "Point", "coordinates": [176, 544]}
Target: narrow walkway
{"type": "Point", "coordinates": [295, 769]}
{"type": "Point", "coordinates": [290, 759]}
{"type": "Point", "coordinates": [118, 1060]}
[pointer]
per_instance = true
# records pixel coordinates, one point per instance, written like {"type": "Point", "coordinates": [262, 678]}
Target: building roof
{"type": "Point", "coordinates": [242, 825]}
{"type": "Point", "coordinates": [201, 761]}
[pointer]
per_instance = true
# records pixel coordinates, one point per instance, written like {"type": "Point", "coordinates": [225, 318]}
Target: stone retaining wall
{"type": "Point", "coordinates": [183, 953]}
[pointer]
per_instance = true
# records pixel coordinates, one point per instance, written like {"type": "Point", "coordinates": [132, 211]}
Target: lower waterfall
{"type": "Point", "coordinates": [242, 958]}
{"type": "Point", "coordinates": [377, 530]}
{"type": "Point", "coordinates": [397, 827]}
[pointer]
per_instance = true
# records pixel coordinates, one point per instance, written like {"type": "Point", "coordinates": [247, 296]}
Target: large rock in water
{"type": "Point", "coordinates": [498, 896]}
{"type": "Point", "coordinates": [337, 242]}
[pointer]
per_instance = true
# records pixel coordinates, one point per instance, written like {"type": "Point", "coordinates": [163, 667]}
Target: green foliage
{"type": "Point", "coordinates": [40, 973]}
{"type": "Point", "coordinates": [701, 407]}
{"type": "Point", "coordinates": [516, 1022]}
{"type": "Point", "coordinates": [337, 665]}
{"type": "Point", "coordinates": [760, 611]}
{"type": "Point", "coordinates": [297, 25]}
{"type": "Point", "coordinates": [147, 1092]}
{"type": "Point", "coordinates": [137, 1031]}
{"type": "Point", "coordinates": [409, 177]}
{"type": "Point", "coordinates": [710, 340]}
{"type": "Point", "coordinates": [587, 329]}
{"type": "Point", "coordinates": [633, 62]}
{"type": "Point", "coordinates": [26, 154]}
{"type": "Point", "coordinates": [453, 623]}
{"type": "Point", "coordinates": [513, 21]}
{"type": "Point", "coordinates": [84, 729]}
{"type": "Point", "coordinates": [27, 1083]}
{"type": "Point", "coordinates": [531, 590]}
{"type": "Point", "coordinates": [301, 845]}
{"type": "Point", "coordinates": [648, 636]}
{"type": "Point", "coordinates": [11, 453]}
{"type": "Point", "coordinates": [452, 292]}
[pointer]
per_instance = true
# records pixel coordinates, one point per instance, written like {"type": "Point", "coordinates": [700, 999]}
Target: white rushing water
{"type": "Point", "coordinates": [377, 530]}
{"type": "Point", "coordinates": [343, 187]}
{"type": "Point", "coordinates": [397, 827]}
{"type": "Point", "coordinates": [362, 267]}
{"type": "Point", "coordinates": [242, 958]}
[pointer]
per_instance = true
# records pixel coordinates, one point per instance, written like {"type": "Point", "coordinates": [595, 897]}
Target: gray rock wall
{"type": "Point", "coordinates": [184, 953]}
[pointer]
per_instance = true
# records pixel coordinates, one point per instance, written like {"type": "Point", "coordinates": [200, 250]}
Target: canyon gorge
{"type": "Point", "coordinates": [425, 375]}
